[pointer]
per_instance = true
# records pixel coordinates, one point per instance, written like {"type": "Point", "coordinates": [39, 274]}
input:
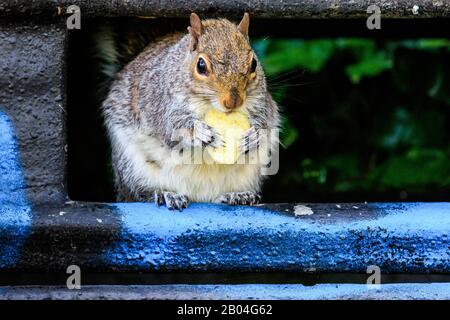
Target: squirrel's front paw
{"type": "Point", "coordinates": [250, 140]}
{"type": "Point", "coordinates": [172, 200]}
{"type": "Point", "coordinates": [205, 135]}
{"type": "Point", "coordinates": [240, 198]}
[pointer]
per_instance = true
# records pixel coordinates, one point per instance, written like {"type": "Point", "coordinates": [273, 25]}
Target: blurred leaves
{"type": "Point", "coordinates": [284, 55]}
{"type": "Point", "coordinates": [426, 44]}
{"type": "Point", "coordinates": [369, 60]}
{"type": "Point", "coordinates": [377, 120]}
{"type": "Point", "coordinates": [372, 64]}
{"type": "Point", "coordinates": [415, 169]}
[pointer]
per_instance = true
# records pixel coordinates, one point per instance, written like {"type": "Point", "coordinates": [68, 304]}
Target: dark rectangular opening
{"type": "Point", "coordinates": [366, 113]}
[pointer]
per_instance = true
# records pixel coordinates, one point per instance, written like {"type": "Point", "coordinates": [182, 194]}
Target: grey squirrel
{"type": "Point", "coordinates": [170, 86]}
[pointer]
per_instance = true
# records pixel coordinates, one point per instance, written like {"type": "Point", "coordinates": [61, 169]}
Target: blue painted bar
{"type": "Point", "coordinates": [403, 291]}
{"type": "Point", "coordinates": [15, 216]}
{"type": "Point", "coordinates": [399, 238]}
{"type": "Point", "coordinates": [409, 237]}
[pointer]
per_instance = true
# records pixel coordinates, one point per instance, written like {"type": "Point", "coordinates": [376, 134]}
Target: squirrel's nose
{"type": "Point", "coordinates": [232, 100]}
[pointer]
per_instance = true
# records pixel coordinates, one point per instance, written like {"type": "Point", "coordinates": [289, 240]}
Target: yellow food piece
{"type": "Point", "coordinates": [231, 127]}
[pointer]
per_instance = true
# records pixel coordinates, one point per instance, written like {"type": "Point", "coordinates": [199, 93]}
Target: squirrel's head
{"type": "Point", "coordinates": [223, 65]}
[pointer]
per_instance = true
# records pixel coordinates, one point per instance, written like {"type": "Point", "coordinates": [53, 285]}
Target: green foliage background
{"type": "Point", "coordinates": [362, 120]}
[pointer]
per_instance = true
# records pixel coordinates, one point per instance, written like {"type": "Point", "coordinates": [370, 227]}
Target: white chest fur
{"type": "Point", "coordinates": [153, 165]}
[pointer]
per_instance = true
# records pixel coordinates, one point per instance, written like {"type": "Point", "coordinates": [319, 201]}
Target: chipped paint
{"type": "Point", "coordinates": [301, 210]}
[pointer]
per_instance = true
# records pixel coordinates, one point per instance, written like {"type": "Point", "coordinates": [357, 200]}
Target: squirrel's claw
{"type": "Point", "coordinates": [250, 140]}
{"type": "Point", "coordinates": [172, 200]}
{"type": "Point", "coordinates": [205, 135]}
{"type": "Point", "coordinates": [240, 198]}
{"type": "Point", "coordinates": [159, 198]}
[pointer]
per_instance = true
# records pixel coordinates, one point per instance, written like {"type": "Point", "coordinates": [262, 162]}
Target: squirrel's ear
{"type": "Point", "coordinates": [243, 25]}
{"type": "Point", "coordinates": [195, 30]}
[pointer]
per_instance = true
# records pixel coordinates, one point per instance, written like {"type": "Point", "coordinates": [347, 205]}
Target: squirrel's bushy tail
{"type": "Point", "coordinates": [105, 50]}
{"type": "Point", "coordinates": [113, 45]}
{"type": "Point", "coordinates": [107, 59]}
{"type": "Point", "coordinates": [117, 42]}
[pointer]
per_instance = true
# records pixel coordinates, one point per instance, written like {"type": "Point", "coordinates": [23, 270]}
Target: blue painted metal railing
{"type": "Point", "coordinates": [398, 238]}
{"type": "Point", "coordinates": [401, 238]}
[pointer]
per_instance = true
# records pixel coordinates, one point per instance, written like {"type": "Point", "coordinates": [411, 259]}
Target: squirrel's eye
{"type": "Point", "coordinates": [253, 66]}
{"type": "Point", "coordinates": [201, 66]}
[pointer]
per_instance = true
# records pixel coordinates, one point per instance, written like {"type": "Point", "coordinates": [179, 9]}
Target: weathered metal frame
{"type": "Point", "coordinates": [42, 230]}
{"type": "Point", "coordinates": [258, 8]}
